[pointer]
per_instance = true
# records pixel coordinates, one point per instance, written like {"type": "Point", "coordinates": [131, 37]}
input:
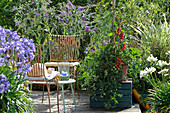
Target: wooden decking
{"type": "Point", "coordinates": [82, 104]}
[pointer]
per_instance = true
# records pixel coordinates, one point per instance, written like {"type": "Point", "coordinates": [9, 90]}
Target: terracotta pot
{"type": "Point", "coordinates": [124, 69]}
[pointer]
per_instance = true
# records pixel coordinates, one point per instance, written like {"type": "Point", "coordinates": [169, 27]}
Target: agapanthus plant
{"type": "Point", "coordinates": [157, 74]}
{"type": "Point", "coordinates": [14, 49]}
{"type": "Point", "coordinates": [4, 83]}
{"type": "Point", "coordinates": [15, 56]}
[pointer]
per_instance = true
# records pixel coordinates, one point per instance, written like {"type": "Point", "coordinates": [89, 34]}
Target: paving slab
{"type": "Point", "coordinates": [83, 104]}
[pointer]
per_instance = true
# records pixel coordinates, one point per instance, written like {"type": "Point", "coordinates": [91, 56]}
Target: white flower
{"type": "Point", "coordinates": [151, 70]}
{"type": "Point", "coordinates": [162, 63]}
{"type": "Point", "coordinates": [167, 53]}
{"type": "Point", "coordinates": [166, 75]}
{"type": "Point", "coordinates": [151, 58]}
{"type": "Point", "coordinates": [143, 73]}
{"type": "Point", "coordinates": [163, 71]}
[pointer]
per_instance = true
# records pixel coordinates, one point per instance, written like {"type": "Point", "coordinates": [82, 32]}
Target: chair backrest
{"type": "Point", "coordinates": [38, 67]}
{"type": "Point", "coordinates": [64, 48]}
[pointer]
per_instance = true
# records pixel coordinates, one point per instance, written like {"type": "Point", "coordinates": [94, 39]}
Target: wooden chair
{"type": "Point", "coordinates": [65, 48]}
{"type": "Point", "coordinates": [39, 74]}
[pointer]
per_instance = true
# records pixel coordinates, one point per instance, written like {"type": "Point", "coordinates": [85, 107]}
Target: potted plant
{"type": "Point", "coordinates": [103, 67]}
{"type": "Point", "coordinates": [123, 53]}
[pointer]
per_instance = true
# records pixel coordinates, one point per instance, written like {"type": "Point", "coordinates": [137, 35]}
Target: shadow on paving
{"type": "Point", "coordinates": [82, 104]}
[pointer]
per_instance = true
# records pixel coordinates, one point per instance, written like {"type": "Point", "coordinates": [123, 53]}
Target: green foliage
{"type": "Point", "coordinates": [36, 20]}
{"type": "Point", "coordinates": [138, 62]}
{"type": "Point", "coordinates": [16, 100]}
{"type": "Point", "coordinates": [155, 36]}
{"type": "Point", "coordinates": [6, 14]}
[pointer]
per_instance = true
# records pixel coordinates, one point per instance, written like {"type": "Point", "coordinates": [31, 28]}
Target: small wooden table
{"type": "Point", "coordinates": [73, 65]}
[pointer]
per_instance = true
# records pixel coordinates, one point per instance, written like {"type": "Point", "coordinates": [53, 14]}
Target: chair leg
{"type": "Point", "coordinates": [63, 97]}
{"type": "Point", "coordinates": [78, 87]}
{"type": "Point", "coordinates": [48, 89]}
{"type": "Point", "coordinates": [74, 78]}
{"type": "Point", "coordinates": [57, 95]}
{"type": "Point", "coordinates": [43, 94]}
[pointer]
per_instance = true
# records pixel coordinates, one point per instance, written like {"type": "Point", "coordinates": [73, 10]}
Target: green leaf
{"type": "Point", "coordinates": [110, 34]}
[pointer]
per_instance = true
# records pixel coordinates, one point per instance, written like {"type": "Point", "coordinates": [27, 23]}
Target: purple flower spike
{"type": "Point", "coordinates": [87, 29]}
{"type": "Point", "coordinates": [70, 5]}
{"type": "Point", "coordinates": [66, 19]}
{"type": "Point", "coordinates": [48, 3]}
{"type": "Point", "coordinates": [14, 9]}
{"type": "Point", "coordinates": [83, 18]}
{"type": "Point", "coordinates": [80, 8]}
{"type": "Point", "coordinates": [42, 7]}
{"type": "Point", "coordinates": [83, 22]}
{"type": "Point", "coordinates": [32, 2]}
{"type": "Point", "coordinates": [37, 14]}
{"type": "Point", "coordinates": [91, 5]}
{"type": "Point", "coordinates": [63, 13]}
{"type": "Point", "coordinates": [16, 23]}
{"type": "Point", "coordinates": [94, 29]}
{"type": "Point", "coordinates": [70, 13]}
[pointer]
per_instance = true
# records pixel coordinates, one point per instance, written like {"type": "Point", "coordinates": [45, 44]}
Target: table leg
{"type": "Point", "coordinates": [63, 97]}
{"type": "Point", "coordinates": [73, 94]}
{"type": "Point", "coordinates": [31, 87]}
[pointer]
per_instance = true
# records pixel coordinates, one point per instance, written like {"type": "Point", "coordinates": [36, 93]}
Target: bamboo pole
{"type": "Point", "coordinates": [114, 5]}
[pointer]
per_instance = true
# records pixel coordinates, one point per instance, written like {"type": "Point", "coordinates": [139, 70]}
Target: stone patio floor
{"type": "Point", "coordinates": [83, 104]}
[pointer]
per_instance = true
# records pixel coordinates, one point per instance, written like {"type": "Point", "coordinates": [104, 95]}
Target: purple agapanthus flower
{"type": "Point", "coordinates": [87, 29]}
{"type": "Point", "coordinates": [14, 9]}
{"type": "Point", "coordinates": [4, 84]}
{"type": "Point", "coordinates": [12, 42]}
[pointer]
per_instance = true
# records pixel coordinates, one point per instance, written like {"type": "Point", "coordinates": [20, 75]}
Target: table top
{"type": "Point", "coordinates": [55, 64]}
{"type": "Point", "coordinates": [67, 81]}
